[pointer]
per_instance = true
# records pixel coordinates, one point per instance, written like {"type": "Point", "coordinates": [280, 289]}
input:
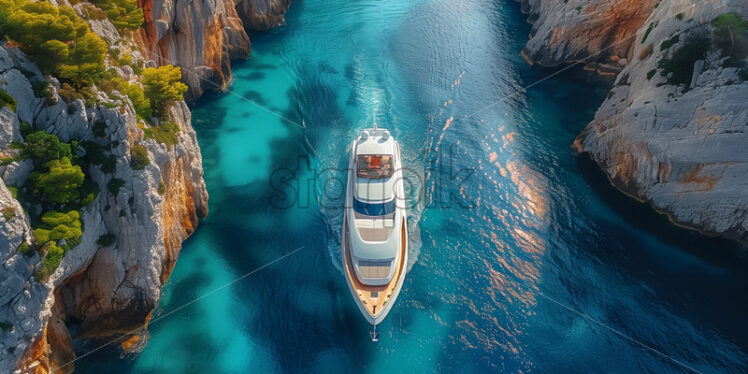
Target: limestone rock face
{"type": "Point", "coordinates": [199, 36]}
{"type": "Point", "coordinates": [121, 285]}
{"type": "Point", "coordinates": [16, 173]}
{"type": "Point", "coordinates": [202, 36]}
{"type": "Point", "coordinates": [8, 127]}
{"type": "Point", "coordinates": [566, 31]}
{"type": "Point", "coordinates": [23, 310]}
{"type": "Point", "coordinates": [680, 147]}
{"type": "Point", "coordinates": [111, 289]}
{"type": "Point", "coordinates": [14, 83]}
{"type": "Point", "coordinates": [262, 14]}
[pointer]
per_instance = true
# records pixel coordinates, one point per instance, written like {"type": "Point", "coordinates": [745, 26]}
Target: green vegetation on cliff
{"type": "Point", "coordinates": [679, 67]}
{"type": "Point", "coordinates": [42, 147]}
{"type": "Point", "coordinates": [162, 85]}
{"type": "Point", "coordinates": [95, 155]}
{"type": "Point", "coordinates": [139, 157]}
{"type": "Point", "coordinates": [6, 7]}
{"type": "Point", "coordinates": [669, 43]}
{"type": "Point", "coordinates": [60, 184]}
{"type": "Point", "coordinates": [646, 33]}
{"type": "Point", "coordinates": [8, 213]}
{"type": "Point", "coordinates": [54, 192]}
{"type": "Point", "coordinates": [57, 39]}
{"type": "Point", "coordinates": [731, 37]}
{"type": "Point", "coordinates": [106, 240]}
{"type": "Point", "coordinates": [124, 14]}
{"type": "Point", "coordinates": [114, 185]}
{"type": "Point", "coordinates": [63, 45]}
{"type": "Point", "coordinates": [165, 133]}
{"type": "Point", "coordinates": [7, 100]}
{"type": "Point", "coordinates": [140, 103]}
{"type": "Point", "coordinates": [57, 233]}
{"type": "Point", "coordinates": [57, 226]}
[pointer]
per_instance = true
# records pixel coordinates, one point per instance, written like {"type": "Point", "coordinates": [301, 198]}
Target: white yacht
{"type": "Point", "coordinates": [375, 234]}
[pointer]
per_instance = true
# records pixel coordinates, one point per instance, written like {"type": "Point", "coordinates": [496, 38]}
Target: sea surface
{"type": "Point", "coordinates": [523, 258]}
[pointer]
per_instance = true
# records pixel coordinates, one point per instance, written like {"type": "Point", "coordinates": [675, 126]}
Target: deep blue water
{"type": "Point", "coordinates": [501, 259]}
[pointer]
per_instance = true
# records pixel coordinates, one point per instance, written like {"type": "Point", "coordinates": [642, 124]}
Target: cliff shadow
{"type": "Point", "coordinates": [716, 251]}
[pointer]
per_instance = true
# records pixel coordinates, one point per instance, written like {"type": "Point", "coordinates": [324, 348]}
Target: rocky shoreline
{"type": "Point", "coordinates": [203, 37]}
{"type": "Point", "coordinates": [673, 128]}
{"type": "Point", "coordinates": [110, 287]}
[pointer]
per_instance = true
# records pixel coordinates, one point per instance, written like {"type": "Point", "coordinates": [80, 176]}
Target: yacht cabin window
{"type": "Point", "coordinates": [374, 166]}
{"type": "Point", "coordinates": [374, 209]}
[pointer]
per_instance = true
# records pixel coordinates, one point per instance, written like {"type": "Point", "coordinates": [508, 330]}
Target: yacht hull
{"type": "Point", "coordinates": [374, 299]}
{"type": "Point", "coordinates": [390, 291]}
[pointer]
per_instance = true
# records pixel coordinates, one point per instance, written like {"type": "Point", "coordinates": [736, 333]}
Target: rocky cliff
{"type": "Point", "coordinates": [109, 283]}
{"type": "Point", "coordinates": [570, 31]}
{"type": "Point", "coordinates": [202, 36]}
{"type": "Point", "coordinates": [262, 15]}
{"type": "Point", "coordinates": [109, 288]}
{"type": "Point", "coordinates": [674, 127]}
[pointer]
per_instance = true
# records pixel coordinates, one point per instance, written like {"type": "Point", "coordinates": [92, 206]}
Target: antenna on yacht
{"type": "Point", "coordinates": [374, 334]}
{"type": "Point", "coordinates": [375, 126]}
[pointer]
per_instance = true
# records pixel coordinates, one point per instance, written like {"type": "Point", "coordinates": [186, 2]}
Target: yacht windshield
{"type": "Point", "coordinates": [374, 166]}
{"type": "Point", "coordinates": [374, 210]}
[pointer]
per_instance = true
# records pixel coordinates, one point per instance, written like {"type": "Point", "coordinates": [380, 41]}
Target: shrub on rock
{"type": "Point", "coordinates": [139, 157]}
{"type": "Point", "coordinates": [124, 14]}
{"type": "Point", "coordinates": [57, 39]}
{"type": "Point", "coordinates": [42, 147]}
{"type": "Point", "coordinates": [731, 37]}
{"type": "Point", "coordinates": [57, 226]}
{"type": "Point", "coordinates": [114, 185]}
{"type": "Point", "coordinates": [162, 85]}
{"type": "Point", "coordinates": [141, 104]}
{"type": "Point", "coordinates": [59, 185]}
{"type": "Point", "coordinates": [7, 100]}
{"type": "Point", "coordinates": [165, 133]}
{"type": "Point", "coordinates": [106, 240]}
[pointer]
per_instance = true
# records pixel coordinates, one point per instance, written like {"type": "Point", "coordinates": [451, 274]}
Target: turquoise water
{"type": "Point", "coordinates": [501, 260]}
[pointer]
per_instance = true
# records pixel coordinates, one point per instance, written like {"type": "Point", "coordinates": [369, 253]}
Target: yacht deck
{"type": "Point", "coordinates": [375, 298]}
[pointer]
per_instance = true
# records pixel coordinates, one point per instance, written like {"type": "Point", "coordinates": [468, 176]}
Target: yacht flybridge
{"type": "Point", "coordinates": [375, 237]}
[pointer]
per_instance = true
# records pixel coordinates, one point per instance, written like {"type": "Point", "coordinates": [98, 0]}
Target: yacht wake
{"type": "Point", "coordinates": [360, 92]}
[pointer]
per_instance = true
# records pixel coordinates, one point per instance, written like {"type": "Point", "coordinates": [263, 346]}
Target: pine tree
{"type": "Point", "coordinates": [60, 184]}
{"type": "Point", "coordinates": [161, 85]}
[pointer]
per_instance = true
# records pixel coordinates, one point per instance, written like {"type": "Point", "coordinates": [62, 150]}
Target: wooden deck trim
{"type": "Point", "coordinates": [374, 306]}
